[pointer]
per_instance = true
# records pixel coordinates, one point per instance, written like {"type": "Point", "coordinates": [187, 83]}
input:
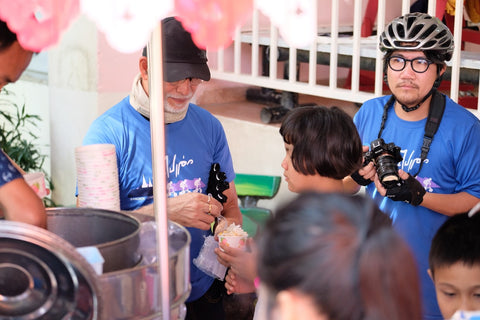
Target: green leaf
{"type": "Point", "coordinates": [17, 138]}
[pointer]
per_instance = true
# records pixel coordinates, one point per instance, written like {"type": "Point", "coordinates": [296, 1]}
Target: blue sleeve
{"type": "Point", "coordinates": [359, 121]}
{"type": "Point", "coordinates": [222, 152]}
{"type": "Point", "coordinates": [468, 162]}
{"type": "Point", "coordinates": [98, 132]}
{"type": "Point", "coordinates": [8, 172]}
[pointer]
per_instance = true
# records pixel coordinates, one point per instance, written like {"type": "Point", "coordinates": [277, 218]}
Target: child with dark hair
{"type": "Point", "coordinates": [322, 147]}
{"type": "Point", "coordinates": [454, 262]}
{"type": "Point", "coordinates": [334, 256]}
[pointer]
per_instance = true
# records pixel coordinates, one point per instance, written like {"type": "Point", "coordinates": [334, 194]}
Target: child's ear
{"type": "Point", "coordinates": [430, 274]}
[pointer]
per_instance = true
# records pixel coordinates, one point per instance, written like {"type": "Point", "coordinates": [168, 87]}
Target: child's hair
{"type": "Point", "coordinates": [325, 141]}
{"type": "Point", "coordinates": [457, 240]}
{"type": "Point", "coordinates": [342, 251]}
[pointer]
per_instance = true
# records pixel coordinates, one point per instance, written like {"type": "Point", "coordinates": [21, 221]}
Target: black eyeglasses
{"type": "Point", "coordinates": [419, 65]}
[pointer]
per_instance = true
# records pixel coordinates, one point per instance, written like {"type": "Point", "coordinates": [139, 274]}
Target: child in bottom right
{"type": "Point", "coordinates": [454, 263]}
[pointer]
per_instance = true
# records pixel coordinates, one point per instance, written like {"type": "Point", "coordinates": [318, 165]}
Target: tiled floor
{"type": "Point", "coordinates": [228, 99]}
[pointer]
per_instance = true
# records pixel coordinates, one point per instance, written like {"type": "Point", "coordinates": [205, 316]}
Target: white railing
{"type": "Point", "coordinates": [240, 62]}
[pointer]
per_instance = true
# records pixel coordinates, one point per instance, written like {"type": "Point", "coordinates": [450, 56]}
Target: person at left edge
{"type": "Point", "coordinates": [18, 202]}
{"type": "Point", "coordinates": [195, 140]}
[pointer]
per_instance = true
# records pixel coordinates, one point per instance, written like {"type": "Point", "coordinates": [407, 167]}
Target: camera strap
{"type": "Point", "coordinates": [435, 114]}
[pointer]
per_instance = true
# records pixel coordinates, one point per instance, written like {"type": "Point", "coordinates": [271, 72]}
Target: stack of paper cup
{"type": "Point", "coordinates": [97, 176]}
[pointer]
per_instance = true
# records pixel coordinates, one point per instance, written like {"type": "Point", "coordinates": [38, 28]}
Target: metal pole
{"type": "Point", "coordinates": [457, 51]}
{"type": "Point", "coordinates": [155, 85]}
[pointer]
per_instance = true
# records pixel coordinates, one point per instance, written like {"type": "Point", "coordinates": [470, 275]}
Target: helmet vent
{"type": "Point", "coordinates": [417, 32]}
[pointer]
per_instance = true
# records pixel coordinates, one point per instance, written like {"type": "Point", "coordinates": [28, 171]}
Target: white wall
{"type": "Point", "coordinates": [86, 77]}
{"type": "Point", "coordinates": [73, 102]}
{"type": "Point", "coordinates": [257, 149]}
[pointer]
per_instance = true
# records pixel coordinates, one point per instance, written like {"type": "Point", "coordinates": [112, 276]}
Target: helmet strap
{"type": "Point", "coordinates": [437, 82]}
{"type": "Point", "coordinates": [407, 109]}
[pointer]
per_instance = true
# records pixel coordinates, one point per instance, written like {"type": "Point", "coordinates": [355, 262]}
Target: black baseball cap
{"type": "Point", "coordinates": [181, 57]}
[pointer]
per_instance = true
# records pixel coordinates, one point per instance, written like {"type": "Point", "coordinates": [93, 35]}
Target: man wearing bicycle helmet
{"type": "Point", "coordinates": [423, 164]}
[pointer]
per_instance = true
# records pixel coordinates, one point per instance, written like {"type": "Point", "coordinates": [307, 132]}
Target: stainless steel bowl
{"type": "Point", "coordinates": [43, 277]}
{"type": "Point", "coordinates": [134, 293]}
{"type": "Point", "coordinates": [116, 235]}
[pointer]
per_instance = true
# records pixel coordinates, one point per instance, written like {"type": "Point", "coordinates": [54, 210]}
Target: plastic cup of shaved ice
{"type": "Point", "coordinates": [233, 241]}
{"type": "Point", "coordinates": [234, 236]}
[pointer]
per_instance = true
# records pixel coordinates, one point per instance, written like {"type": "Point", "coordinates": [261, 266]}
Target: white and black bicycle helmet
{"type": "Point", "coordinates": [418, 32]}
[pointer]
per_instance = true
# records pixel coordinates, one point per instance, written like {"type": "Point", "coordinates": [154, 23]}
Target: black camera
{"type": "Point", "coordinates": [385, 157]}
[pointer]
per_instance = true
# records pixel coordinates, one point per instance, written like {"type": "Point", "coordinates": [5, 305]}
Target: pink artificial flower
{"type": "Point", "coordinates": [127, 24]}
{"type": "Point", "coordinates": [38, 23]}
{"type": "Point", "coordinates": [295, 19]}
{"type": "Point", "coordinates": [212, 23]}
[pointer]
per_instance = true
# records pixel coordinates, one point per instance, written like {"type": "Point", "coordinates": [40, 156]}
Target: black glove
{"type": "Point", "coordinates": [411, 191]}
{"type": "Point", "coordinates": [359, 179]}
{"type": "Point", "coordinates": [217, 184]}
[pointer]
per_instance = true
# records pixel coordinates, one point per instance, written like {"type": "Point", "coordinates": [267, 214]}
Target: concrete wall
{"type": "Point", "coordinates": [73, 81]}
{"type": "Point", "coordinates": [257, 149]}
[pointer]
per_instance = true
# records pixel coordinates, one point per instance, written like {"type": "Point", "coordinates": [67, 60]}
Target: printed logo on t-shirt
{"type": "Point", "coordinates": [142, 192]}
{"type": "Point", "coordinates": [185, 186]}
{"type": "Point", "coordinates": [176, 165]}
{"type": "Point", "coordinates": [174, 168]}
{"type": "Point", "coordinates": [173, 188]}
{"type": "Point", "coordinates": [428, 184]}
{"type": "Point", "coordinates": [409, 161]}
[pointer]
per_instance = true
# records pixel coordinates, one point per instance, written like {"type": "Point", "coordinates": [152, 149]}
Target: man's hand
{"type": "Point", "coordinates": [193, 209]}
{"type": "Point", "coordinates": [365, 175]}
{"type": "Point", "coordinates": [411, 191]}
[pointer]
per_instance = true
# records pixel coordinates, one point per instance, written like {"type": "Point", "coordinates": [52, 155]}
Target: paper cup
{"type": "Point", "coordinates": [238, 242]}
{"type": "Point", "coordinates": [36, 180]}
{"type": "Point", "coordinates": [97, 176]}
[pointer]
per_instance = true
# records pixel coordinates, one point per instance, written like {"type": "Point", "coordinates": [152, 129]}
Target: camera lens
{"type": "Point", "coordinates": [387, 170]}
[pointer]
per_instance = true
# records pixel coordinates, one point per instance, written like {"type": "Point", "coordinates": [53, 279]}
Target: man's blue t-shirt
{"type": "Point", "coordinates": [192, 146]}
{"type": "Point", "coordinates": [452, 166]}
